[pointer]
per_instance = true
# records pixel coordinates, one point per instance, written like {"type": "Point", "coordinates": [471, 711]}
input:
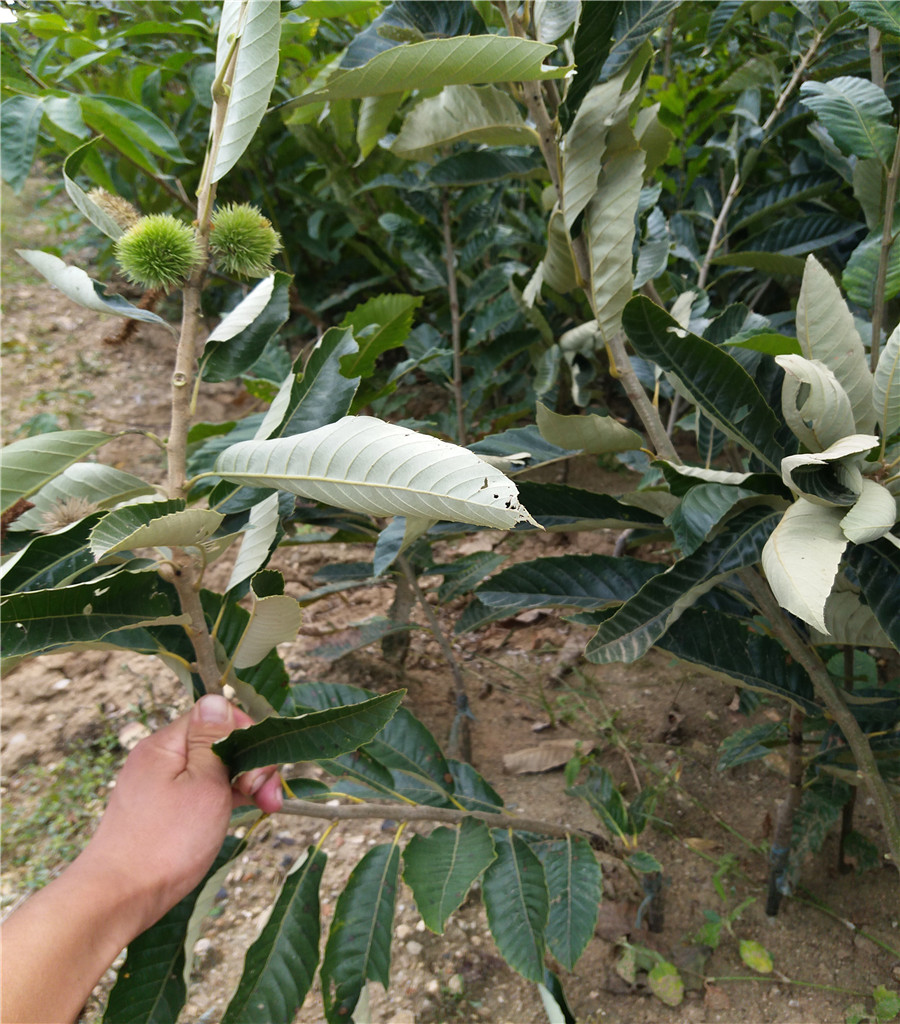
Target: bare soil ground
{"type": "Point", "coordinates": [831, 944]}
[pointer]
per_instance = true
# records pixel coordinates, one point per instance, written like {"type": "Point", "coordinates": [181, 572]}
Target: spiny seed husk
{"type": "Point", "coordinates": [159, 251]}
{"type": "Point", "coordinates": [243, 240]}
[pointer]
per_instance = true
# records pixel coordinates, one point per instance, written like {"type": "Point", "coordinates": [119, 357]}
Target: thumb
{"type": "Point", "coordinates": [211, 719]}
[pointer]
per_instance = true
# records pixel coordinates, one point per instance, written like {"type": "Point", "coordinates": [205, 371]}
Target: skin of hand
{"type": "Point", "coordinates": [161, 831]}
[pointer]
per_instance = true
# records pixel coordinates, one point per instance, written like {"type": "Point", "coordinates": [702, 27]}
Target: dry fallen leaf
{"type": "Point", "coordinates": [552, 754]}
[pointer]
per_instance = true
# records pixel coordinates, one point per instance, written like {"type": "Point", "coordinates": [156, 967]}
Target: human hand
{"type": "Point", "coordinates": [170, 809]}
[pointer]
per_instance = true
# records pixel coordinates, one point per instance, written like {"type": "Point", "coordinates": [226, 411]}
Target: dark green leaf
{"type": "Point", "coordinates": [517, 903]}
{"type": "Point", "coordinates": [768, 200]}
{"type": "Point", "coordinates": [280, 965]}
{"type": "Point", "coordinates": [20, 120]}
{"type": "Point", "coordinates": [593, 38]}
{"type": "Point", "coordinates": [728, 647]}
{"type": "Point", "coordinates": [51, 560]}
{"type": "Point", "coordinates": [225, 360]}
{"type": "Point", "coordinates": [644, 619]}
{"type": "Point", "coordinates": [319, 734]}
{"type": "Point", "coordinates": [378, 325]}
{"type": "Point", "coordinates": [114, 610]}
{"type": "Point", "coordinates": [144, 127]}
{"type": "Point", "coordinates": [359, 942]}
{"type": "Point", "coordinates": [877, 565]}
{"type": "Point", "coordinates": [471, 790]}
{"type": "Point", "coordinates": [747, 744]}
{"type": "Point", "coordinates": [441, 868]}
{"type": "Point", "coordinates": [637, 21]}
{"type": "Point", "coordinates": [645, 863]}
{"type": "Point", "coordinates": [882, 14]}
{"type": "Point", "coordinates": [320, 393]}
{"type": "Point", "coordinates": [475, 167]}
{"type": "Point", "coordinates": [702, 509]}
{"type": "Point", "coordinates": [581, 581]}
{"type": "Point", "coordinates": [574, 882]}
{"type": "Point", "coordinates": [857, 114]}
{"type": "Point", "coordinates": [557, 505]}
{"type": "Point", "coordinates": [403, 743]}
{"type": "Point", "coordinates": [715, 381]}
{"type": "Point", "coordinates": [554, 1000]}
{"type": "Point", "coordinates": [794, 236]}
{"type": "Point", "coordinates": [150, 985]}
{"type": "Point", "coordinates": [418, 19]}
{"type": "Point", "coordinates": [603, 797]}
{"type": "Point", "coordinates": [681, 479]}
{"type": "Point", "coordinates": [769, 262]}
{"type": "Point", "coordinates": [860, 275]}
{"type": "Point", "coordinates": [467, 572]}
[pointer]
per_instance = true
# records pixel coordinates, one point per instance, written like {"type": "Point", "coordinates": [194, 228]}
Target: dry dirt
{"type": "Point", "coordinates": [831, 944]}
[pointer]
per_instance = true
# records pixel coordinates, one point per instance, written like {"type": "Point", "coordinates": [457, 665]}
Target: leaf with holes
{"type": "Point", "coordinates": [366, 465]}
{"type": "Point", "coordinates": [153, 524]}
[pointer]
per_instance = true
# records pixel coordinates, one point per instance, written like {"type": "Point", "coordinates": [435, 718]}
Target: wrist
{"type": "Point", "coordinates": [128, 902]}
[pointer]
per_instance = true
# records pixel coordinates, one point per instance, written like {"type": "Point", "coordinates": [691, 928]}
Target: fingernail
{"type": "Point", "coordinates": [214, 709]}
{"type": "Point", "coordinates": [257, 784]}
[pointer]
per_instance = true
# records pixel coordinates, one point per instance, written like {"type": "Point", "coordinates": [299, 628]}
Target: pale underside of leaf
{"type": "Point", "coordinates": [826, 331]}
{"type": "Point", "coordinates": [815, 405]}
{"type": "Point", "coordinates": [273, 620]}
{"type": "Point", "coordinates": [846, 450]}
{"type": "Point", "coordinates": [254, 77]}
{"type": "Point", "coordinates": [887, 385]}
{"type": "Point", "coordinates": [28, 465]}
{"type": "Point", "coordinates": [95, 482]}
{"type": "Point", "coordinates": [75, 284]}
{"type": "Point", "coordinates": [873, 515]}
{"type": "Point", "coordinates": [609, 224]}
{"type": "Point", "coordinates": [436, 63]}
{"type": "Point", "coordinates": [94, 213]}
{"type": "Point", "coordinates": [557, 268]}
{"type": "Point", "coordinates": [245, 312]}
{"type": "Point", "coordinates": [186, 528]}
{"type": "Point", "coordinates": [849, 621]}
{"type": "Point", "coordinates": [262, 528]}
{"type": "Point", "coordinates": [801, 559]}
{"type": "Point", "coordinates": [592, 434]}
{"type": "Point", "coordinates": [585, 142]}
{"type": "Point", "coordinates": [366, 465]}
{"type": "Point", "coordinates": [462, 113]}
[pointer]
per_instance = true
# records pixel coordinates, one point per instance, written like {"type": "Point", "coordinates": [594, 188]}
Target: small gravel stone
{"type": "Point", "coordinates": [414, 948]}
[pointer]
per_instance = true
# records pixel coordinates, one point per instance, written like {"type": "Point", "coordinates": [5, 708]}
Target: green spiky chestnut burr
{"type": "Point", "coordinates": [158, 251]}
{"type": "Point", "coordinates": [243, 240]}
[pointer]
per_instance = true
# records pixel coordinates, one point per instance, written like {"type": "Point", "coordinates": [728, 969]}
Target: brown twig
{"type": "Point", "coordinates": [455, 326]}
{"type": "Point", "coordinates": [448, 815]}
{"type": "Point", "coordinates": [735, 186]}
{"type": "Point", "coordinates": [805, 656]}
